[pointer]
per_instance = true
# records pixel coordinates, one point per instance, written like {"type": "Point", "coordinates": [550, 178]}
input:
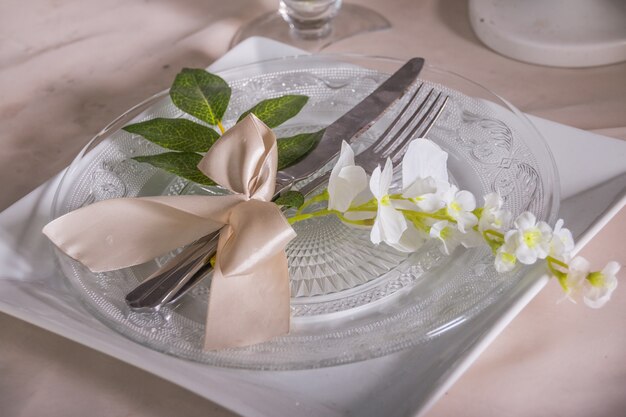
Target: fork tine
{"type": "Point", "coordinates": [369, 158]}
{"type": "Point", "coordinates": [435, 117]}
{"type": "Point", "coordinates": [382, 138]}
{"type": "Point", "coordinates": [407, 138]}
{"type": "Point", "coordinates": [398, 152]}
{"type": "Point", "coordinates": [389, 146]}
{"type": "Point", "coordinates": [425, 116]}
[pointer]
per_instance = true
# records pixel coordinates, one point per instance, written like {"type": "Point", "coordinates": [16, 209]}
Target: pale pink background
{"type": "Point", "coordinates": [67, 68]}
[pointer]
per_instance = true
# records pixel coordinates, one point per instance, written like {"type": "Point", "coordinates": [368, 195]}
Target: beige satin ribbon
{"type": "Point", "coordinates": [249, 297]}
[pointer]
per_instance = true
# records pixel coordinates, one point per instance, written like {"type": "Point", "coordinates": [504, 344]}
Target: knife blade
{"type": "Point", "coordinates": [349, 126]}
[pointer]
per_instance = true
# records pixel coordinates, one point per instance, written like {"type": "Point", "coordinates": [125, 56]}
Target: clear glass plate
{"type": "Point", "coordinates": [351, 300]}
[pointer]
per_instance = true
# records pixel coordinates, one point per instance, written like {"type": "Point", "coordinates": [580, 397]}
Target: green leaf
{"type": "Point", "coordinates": [275, 111]}
{"type": "Point", "coordinates": [293, 199]}
{"type": "Point", "coordinates": [201, 94]}
{"type": "Point", "coordinates": [294, 148]}
{"type": "Point", "coordinates": [183, 164]}
{"type": "Point", "coordinates": [176, 134]}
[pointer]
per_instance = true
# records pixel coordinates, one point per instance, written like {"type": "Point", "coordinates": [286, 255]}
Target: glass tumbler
{"type": "Point", "coordinates": [309, 19]}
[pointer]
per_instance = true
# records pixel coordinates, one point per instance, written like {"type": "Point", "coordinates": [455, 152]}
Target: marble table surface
{"type": "Point", "coordinates": [69, 67]}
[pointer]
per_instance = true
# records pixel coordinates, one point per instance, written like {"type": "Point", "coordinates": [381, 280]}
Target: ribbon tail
{"type": "Point", "coordinates": [119, 233]}
{"type": "Point", "coordinates": [249, 309]}
{"type": "Point", "coordinates": [250, 293]}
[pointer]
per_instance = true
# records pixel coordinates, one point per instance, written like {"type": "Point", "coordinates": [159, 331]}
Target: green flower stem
{"type": "Point", "coordinates": [371, 205]}
{"type": "Point", "coordinates": [596, 279]}
{"type": "Point", "coordinates": [494, 239]}
{"type": "Point", "coordinates": [365, 222]}
{"type": "Point", "coordinates": [320, 197]}
{"type": "Point", "coordinates": [325, 212]}
{"type": "Point", "coordinates": [300, 217]}
{"type": "Point", "coordinates": [417, 221]}
{"type": "Point", "coordinates": [555, 261]}
{"type": "Point", "coordinates": [428, 215]}
{"type": "Point", "coordinates": [561, 278]}
{"type": "Point", "coordinates": [560, 275]}
{"type": "Point", "coordinates": [493, 233]}
{"type": "Point", "coordinates": [371, 210]}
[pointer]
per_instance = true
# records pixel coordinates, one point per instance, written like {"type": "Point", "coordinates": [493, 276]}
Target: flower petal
{"type": "Point", "coordinates": [420, 187]}
{"type": "Point", "coordinates": [466, 220]}
{"type": "Point", "coordinates": [493, 201]}
{"type": "Point", "coordinates": [580, 264]}
{"type": "Point", "coordinates": [363, 197]}
{"type": "Point", "coordinates": [404, 205]}
{"type": "Point", "coordinates": [466, 200]}
{"type": "Point", "coordinates": [346, 158]}
{"type": "Point", "coordinates": [504, 261]}
{"type": "Point", "coordinates": [350, 181]}
{"type": "Point", "coordinates": [376, 234]}
{"type": "Point", "coordinates": [386, 176]}
{"type": "Point", "coordinates": [558, 225]}
{"type": "Point", "coordinates": [447, 234]}
{"type": "Point", "coordinates": [437, 228]}
{"type": "Point", "coordinates": [597, 297]}
{"type": "Point", "coordinates": [410, 241]}
{"type": "Point", "coordinates": [375, 184]}
{"type": "Point", "coordinates": [525, 255]}
{"type": "Point", "coordinates": [611, 269]}
{"type": "Point", "coordinates": [448, 194]}
{"type": "Point", "coordinates": [392, 222]}
{"type": "Point", "coordinates": [423, 159]}
{"type": "Point", "coordinates": [471, 239]}
{"type": "Point", "coordinates": [431, 203]}
{"type": "Point", "coordinates": [525, 220]}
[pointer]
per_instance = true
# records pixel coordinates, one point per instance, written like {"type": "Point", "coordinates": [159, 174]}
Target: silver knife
{"type": "Point", "coordinates": [183, 271]}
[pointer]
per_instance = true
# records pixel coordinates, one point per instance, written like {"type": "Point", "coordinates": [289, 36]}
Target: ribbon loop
{"type": "Point", "coordinates": [244, 160]}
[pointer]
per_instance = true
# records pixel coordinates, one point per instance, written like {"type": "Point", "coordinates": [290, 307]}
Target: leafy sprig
{"type": "Point", "coordinates": [205, 97]}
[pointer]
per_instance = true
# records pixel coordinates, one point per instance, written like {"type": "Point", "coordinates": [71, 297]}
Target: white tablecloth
{"type": "Point", "coordinates": [77, 65]}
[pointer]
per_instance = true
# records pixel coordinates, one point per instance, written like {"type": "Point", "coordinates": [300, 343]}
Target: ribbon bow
{"type": "Point", "coordinates": [249, 297]}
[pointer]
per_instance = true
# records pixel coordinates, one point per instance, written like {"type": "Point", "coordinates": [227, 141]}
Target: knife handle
{"type": "Point", "coordinates": [170, 281]}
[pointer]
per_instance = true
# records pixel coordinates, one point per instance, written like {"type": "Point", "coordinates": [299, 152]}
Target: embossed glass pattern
{"type": "Point", "coordinates": [351, 300]}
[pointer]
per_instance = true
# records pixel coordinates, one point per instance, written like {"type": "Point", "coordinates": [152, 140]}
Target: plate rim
{"type": "Point", "coordinates": [145, 104]}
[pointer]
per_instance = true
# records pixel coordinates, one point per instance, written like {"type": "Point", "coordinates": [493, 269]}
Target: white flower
{"type": "Point", "coordinates": [562, 242]}
{"type": "Point", "coordinates": [424, 174]}
{"type": "Point", "coordinates": [459, 205]}
{"type": "Point", "coordinates": [451, 237]}
{"type": "Point", "coordinates": [596, 287]}
{"type": "Point", "coordinates": [505, 255]}
{"type": "Point", "coordinates": [576, 276]}
{"type": "Point", "coordinates": [533, 238]}
{"type": "Point", "coordinates": [492, 216]}
{"type": "Point", "coordinates": [347, 181]}
{"type": "Point", "coordinates": [390, 224]}
{"type": "Point", "coordinates": [600, 285]}
{"type": "Point", "coordinates": [448, 234]}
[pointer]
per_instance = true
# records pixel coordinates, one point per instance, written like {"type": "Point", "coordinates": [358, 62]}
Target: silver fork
{"type": "Point", "coordinates": [392, 143]}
